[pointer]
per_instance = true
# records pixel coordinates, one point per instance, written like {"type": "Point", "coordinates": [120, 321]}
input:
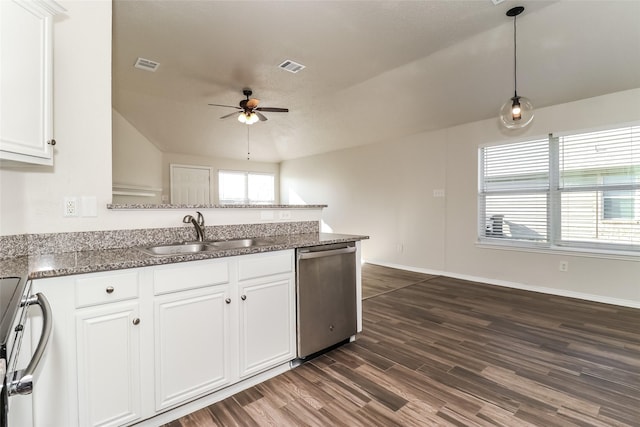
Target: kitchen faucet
{"type": "Point", "coordinates": [197, 223]}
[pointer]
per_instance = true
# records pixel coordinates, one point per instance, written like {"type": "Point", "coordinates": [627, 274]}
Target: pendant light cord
{"type": "Point", "coordinates": [248, 151]}
{"type": "Point", "coordinates": [515, 58]}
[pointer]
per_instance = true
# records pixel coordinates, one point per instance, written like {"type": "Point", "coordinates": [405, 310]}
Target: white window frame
{"type": "Point", "coordinates": [554, 193]}
{"type": "Point", "coordinates": [246, 200]}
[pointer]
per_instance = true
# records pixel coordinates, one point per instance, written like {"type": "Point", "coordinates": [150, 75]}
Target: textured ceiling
{"type": "Point", "coordinates": [375, 69]}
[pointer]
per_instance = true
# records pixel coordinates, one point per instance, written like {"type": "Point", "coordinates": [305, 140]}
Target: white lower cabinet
{"type": "Point", "coordinates": [267, 314]}
{"type": "Point", "coordinates": [131, 344]}
{"type": "Point", "coordinates": [192, 345]}
{"type": "Point", "coordinates": [108, 344]}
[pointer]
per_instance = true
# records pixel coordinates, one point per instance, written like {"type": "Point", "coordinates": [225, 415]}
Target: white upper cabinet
{"type": "Point", "coordinates": [26, 71]}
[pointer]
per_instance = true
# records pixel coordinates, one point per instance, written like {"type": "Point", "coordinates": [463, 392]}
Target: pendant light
{"type": "Point", "coordinates": [517, 112]}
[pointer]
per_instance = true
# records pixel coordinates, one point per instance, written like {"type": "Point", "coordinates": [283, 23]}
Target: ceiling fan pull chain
{"type": "Point", "coordinates": [248, 153]}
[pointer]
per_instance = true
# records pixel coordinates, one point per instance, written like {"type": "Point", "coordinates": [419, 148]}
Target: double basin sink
{"type": "Point", "coordinates": [197, 247]}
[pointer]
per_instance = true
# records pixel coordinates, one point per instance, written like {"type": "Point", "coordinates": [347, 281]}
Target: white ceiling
{"type": "Point", "coordinates": [376, 70]}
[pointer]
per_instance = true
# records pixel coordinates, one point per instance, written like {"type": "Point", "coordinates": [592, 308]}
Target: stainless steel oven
{"type": "Point", "coordinates": [15, 299]}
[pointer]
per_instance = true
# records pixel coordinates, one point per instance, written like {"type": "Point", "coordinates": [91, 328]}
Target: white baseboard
{"type": "Point", "coordinates": [515, 285]}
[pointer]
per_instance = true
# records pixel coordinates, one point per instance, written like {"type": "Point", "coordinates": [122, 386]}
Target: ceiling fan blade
{"type": "Point", "coordinates": [252, 103]}
{"type": "Point", "coordinates": [273, 109]}
{"type": "Point", "coordinates": [261, 116]}
{"type": "Point", "coordinates": [230, 106]}
{"type": "Point", "coordinates": [232, 114]}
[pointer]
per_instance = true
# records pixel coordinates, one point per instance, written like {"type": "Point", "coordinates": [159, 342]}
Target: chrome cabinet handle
{"type": "Point", "coordinates": [136, 321]}
{"type": "Point", "coordinates": [228, 300]}
{"type": "Point", "coordinates": [109, 289]}
{"type": "Point", "coordinates": [23, 384]}
{"type": "Point", "coordinates": [243, 297]}
{"type": "Point", "coordinates": [51, 142]}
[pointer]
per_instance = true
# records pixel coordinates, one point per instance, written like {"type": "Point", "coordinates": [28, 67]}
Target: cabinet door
{"type": "Point", "coordinates": [267, 323]}
{"type": "Point", "coordinates": [26, 81]}
{"type": "Point", "coordinates": [108, 345]}
{"type": "Point", "coordinates": [192, 344]}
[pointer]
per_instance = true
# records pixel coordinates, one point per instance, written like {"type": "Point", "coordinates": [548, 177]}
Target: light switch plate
{"type": "Point", "coordinates": [88, 206]}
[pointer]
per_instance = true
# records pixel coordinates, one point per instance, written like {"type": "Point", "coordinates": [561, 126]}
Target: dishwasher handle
{"type": "Point", "coordinates": [319, 254]}
{"type": "Point", "coordinates": [23, 380]}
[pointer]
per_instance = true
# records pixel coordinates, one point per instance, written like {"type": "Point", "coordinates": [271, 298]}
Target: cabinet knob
{"type": "Point", "coordinates": [109, 289]}
{"type": "Point", "coordinates": [136, 321]}
{"type": "Point", "coordinates": [51, 142]}
{"type": "Point", "coordinates": [228, 300]}
{"type": "Point", "coordinates": [243, 297]}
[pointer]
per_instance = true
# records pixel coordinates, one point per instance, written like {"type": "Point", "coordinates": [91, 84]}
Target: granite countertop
{"type": "Point", "coordinates": [67, 263]}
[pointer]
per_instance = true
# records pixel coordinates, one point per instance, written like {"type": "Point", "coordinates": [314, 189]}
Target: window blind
{"type": "Point", "coordinates": [599, 183]}
{"type": "Point", "coordinates": [514, 190]}
{"type": "Point", "coordinates": [579, 190]}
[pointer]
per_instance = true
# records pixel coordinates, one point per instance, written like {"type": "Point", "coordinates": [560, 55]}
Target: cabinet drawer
{"type": "Point", "coordinates": [266, 264]}
{"type": "Point", "coordinates": [105, 288]}
{"type": "Point", "coordinates": [190, 275]}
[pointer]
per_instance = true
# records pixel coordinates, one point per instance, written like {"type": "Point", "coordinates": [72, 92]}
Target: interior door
{"type": "Point", "coordinates": [191, 185]}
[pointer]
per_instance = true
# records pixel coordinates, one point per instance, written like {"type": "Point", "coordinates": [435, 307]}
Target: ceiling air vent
{"type": "Point", "coordinates": [291, 66]}
{"type": "Point", "coordinates": [146, 64]}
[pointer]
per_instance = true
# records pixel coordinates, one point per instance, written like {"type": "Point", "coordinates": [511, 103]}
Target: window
{"type": "Point", "coordinates": [618, 204]}
{"type": "Point", "coordinates": [577, 190]}
{"type": "Point", "coordinates": [239, 187]}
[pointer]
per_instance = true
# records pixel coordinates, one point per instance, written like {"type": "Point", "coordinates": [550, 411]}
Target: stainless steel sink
{"type": "Point", "coordinates": [241, 243]}
{"type": "Point", "coordinates": [197, 247]}
{"type": "Point", "coordinates": [176, 249]}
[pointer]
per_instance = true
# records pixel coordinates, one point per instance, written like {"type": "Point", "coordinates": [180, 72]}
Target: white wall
{"type": "Point", "coordinates": [386, 191]}
{"type": "Point", "coordinates": [136, 161]}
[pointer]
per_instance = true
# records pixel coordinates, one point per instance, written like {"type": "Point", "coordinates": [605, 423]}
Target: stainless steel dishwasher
{"type": "Point", "coordinates": [326, 303]}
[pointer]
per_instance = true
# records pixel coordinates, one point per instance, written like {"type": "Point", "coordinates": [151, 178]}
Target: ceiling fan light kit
{"type": "Point", "coordinates": [517, 112]}
{"type": "Point", "coordinates": [248, 118]}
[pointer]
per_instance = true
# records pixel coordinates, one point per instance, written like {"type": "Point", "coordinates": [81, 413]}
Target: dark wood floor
{"type": "Point", "coordinates": [443, 352]}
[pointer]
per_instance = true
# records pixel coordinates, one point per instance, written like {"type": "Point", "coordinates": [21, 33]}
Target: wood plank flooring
{"type": "Point", "coordinates": [378, 280]}
{"type": "Point", "coordinates": [438, 351]}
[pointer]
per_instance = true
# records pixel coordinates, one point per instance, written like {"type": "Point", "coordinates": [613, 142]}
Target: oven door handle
{"type": "Point", "coordinates": [22, 382]}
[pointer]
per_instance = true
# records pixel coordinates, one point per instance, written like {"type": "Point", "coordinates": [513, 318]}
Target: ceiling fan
{"type": "Point", "coordinates": [249, 112]}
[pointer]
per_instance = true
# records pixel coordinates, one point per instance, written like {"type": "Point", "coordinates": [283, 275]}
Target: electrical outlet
{"type": "Point", "coordinates": [564, 266]}
{"type": "Point", "coordinates": [70, 206]}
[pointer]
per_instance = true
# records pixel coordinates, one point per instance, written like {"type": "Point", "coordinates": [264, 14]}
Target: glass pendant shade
{"type": "Point", "coordinates": [516, 113]}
